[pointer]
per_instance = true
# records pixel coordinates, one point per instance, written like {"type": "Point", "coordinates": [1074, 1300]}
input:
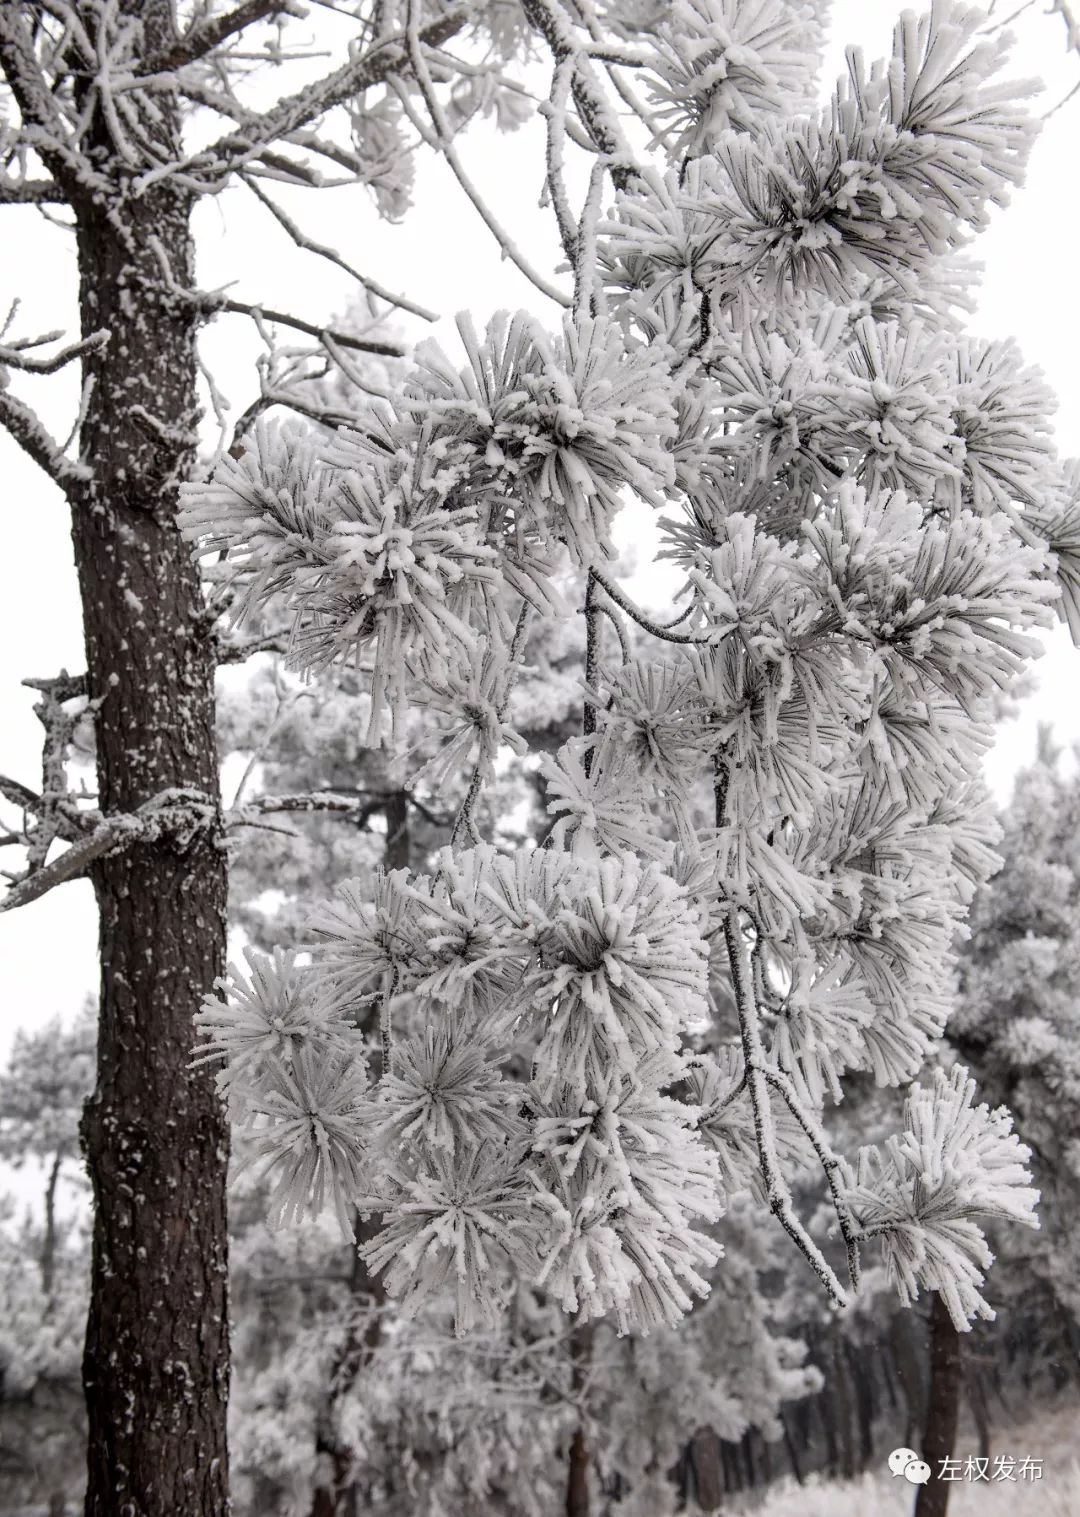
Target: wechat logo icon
{"type": "Point", "coordinates": [906, 1462]}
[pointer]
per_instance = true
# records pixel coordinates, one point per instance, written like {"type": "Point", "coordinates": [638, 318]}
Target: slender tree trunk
{"type": "Point", "coordinates": [156, 1363]}
{"type": "Point", "coordinates": [577, 1474]}
{"type": "Point", "coordinates": [707, 1473]}
{"type": "Point", "coordinates": [841, 1387]}
{"type": "Point", "coordinates": [48, 1242]}
{"type": "Point", "coordinates": [789, 1444]}
{"type": "Point", "coordinates": [943, 1409]}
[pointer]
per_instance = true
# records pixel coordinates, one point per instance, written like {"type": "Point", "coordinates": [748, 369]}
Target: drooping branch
{"type": "Point", "coordinates": [443, 140]}
{"type": "Point", "coordinates": [309, 245]}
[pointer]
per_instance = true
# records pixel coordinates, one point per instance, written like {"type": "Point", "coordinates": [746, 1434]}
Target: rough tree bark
{"type": "Point", "coordinates": [942, 1411]}
{"type": "Point", "coordinates": [156, 1363]}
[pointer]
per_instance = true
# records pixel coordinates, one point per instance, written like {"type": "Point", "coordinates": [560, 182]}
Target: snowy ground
{"type": "Point", "coordinates": [1055, 1439]}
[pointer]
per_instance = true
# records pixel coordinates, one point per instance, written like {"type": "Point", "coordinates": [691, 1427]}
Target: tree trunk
{"type": "Point", "coordinates": [943, 1409]}
{"type": "Point", "coordinates": [707, 1473]}
{"type": "Point", "coordinates": [48, 1242]}
{"type": "Point", "coordinates": [790, 1446]}
{"type": "Point", "coordinates": [156, 1364]}
{"type": "Point", "coordinates": [577, 1474]}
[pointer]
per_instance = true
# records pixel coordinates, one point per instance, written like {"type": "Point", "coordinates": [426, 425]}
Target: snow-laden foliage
{"type": "Point", "coordinates": [765, 839]}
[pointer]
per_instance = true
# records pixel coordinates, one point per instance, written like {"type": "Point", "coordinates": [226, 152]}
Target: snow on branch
{"type": "Point", "coordinates": [32, 436]}
{"type": "Point", "coordinates": [175, 813]}
{"type": "Point", "coordinates": [209, 34]}
{"type": "Point", "coordinates": [211, 165]}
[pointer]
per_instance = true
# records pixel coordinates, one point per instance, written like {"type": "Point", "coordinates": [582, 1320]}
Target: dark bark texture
{"type": "Point", "coordinates": [943, 1410]}
{"type": "Point", "coordinates": [156, 1362]}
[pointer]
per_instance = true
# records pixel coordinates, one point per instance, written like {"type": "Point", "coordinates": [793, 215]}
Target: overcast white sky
{"type": "Point", "coordinates": [442, 258]}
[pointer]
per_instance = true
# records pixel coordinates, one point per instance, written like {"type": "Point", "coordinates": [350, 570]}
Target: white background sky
{"type": "Point", "coordinates": [442, 257]}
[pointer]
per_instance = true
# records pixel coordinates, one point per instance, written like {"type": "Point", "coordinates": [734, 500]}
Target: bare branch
{"type": "Point", "coordinates": [237, 149]}
{"type": "Point", "coordinates": [178, 812]}
{"type": "Point", "coordinates": [44, 128]}
{"type": "Point", "coordinates": [310, 246]}
{"type": "Point", "coordinates": [31, 435]}
{"type": "Point", "coordinates": [309, 802]}
{"type": "Point", "coordinates": [238, 650]}
{"type": "Point", "coordinates": [201, 39]}
{"type": "Point", "coordinates": [444, 142]}
{"type": "Point", "coordinates": [213, 303]}
{"type": "Point", "coordinates": [14, 356]}
{"type": "Point", "coordinates": [776, 1186]}
{"type": "Point", "coordinates": [31, 192]}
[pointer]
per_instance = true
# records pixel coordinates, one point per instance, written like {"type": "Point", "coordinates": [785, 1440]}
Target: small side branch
{"type": "Point", "coordinates": [308, 245]}
{"type": "Point", "coordinates": [464, 822]}
{"type": "Point", "coordinates": [35, 440]}
{"type": "Point", "coordinates": [663, 630]}
{"type": "Point", "coordinates": [201, 39]}
{"type": "Point", "coordinates": [238, 650]}
{"type": "Point", "coordinates": [16, 355]}
{"type": "Point", "coordinates": [830, 1162]}
{"type": "Point", "coordinates": [214, 303]}
{"type": "Point", "coordinates": [776, 1186]}
{"type": "Point", "coordinates": [592, 663]}
{"type": "Point", "coordinates": [31, 192]}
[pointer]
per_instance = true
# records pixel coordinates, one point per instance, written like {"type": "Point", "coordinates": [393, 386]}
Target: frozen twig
{"type": "Point", "coordinates": [445, 145]}
{"type": "Point", "coordinates": [777, 1191]}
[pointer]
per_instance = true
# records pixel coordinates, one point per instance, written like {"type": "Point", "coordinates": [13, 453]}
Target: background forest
{"type": "Point", "coordinates": [870, 516]}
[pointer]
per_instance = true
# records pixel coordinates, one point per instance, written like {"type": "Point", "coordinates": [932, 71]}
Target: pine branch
{"type": "Point", "coordinates": [31, 192]}
{"type": "Point", "coordinates": [776, 1186]}
{"type": "Point", "coordinates": [201, 39]}
{"type": "Point", "coordinates": [177, 812]}
{"type": "Point", "coordinates": [14, 356]}
{"type": "Point", "coordinates": [308, 245]}
{"type": "Point", "coordinates": [387, 57]}
{"type": "Point", "coordinates": [30, 433]}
